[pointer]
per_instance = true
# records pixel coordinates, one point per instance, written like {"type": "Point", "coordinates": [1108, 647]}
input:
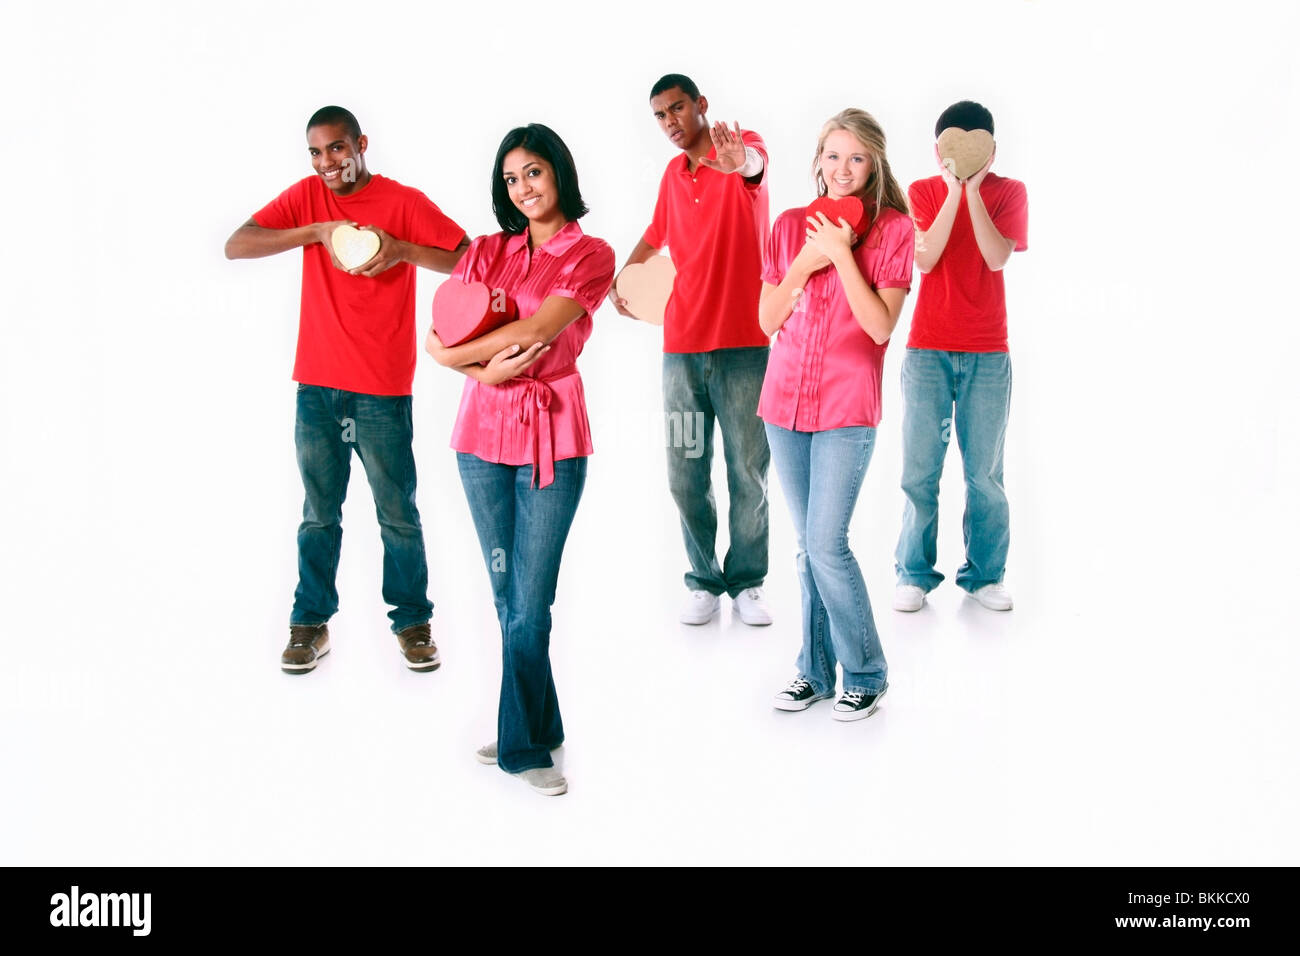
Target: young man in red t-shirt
{"type": "Point", "coordinates": [354, 368]}
{"type": "Point", "coordinates": [957, 372]}
{"type": "Point", "coordinates": [712, 216]}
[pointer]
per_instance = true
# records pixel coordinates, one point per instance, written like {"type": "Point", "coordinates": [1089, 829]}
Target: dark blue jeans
{"type": "Point", "coordinates": [701, 388]}
{"type": "Point", "coordinates": [522, 531]}
{"type": "Point", "coordinates": [330, 424]}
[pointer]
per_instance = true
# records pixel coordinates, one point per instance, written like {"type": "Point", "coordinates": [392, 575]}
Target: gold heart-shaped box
{"type": "Point", "coordinates": [965, 151]}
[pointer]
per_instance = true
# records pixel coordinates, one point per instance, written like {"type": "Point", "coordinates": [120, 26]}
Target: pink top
{"type": "Point", "coordinates": [540, 417]}
{"type": "Point", "coordinates": [824, 371]}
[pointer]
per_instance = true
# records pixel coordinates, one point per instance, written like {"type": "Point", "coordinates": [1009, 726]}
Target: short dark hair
{"type": "Point", "coordinates": [967, 115]}
{"type": "Point", "coordinates": [679, 80]}
{"type": "Point", "coordinates": [336, 116]}
{"type": "Point", "coordinates": [543, 141]}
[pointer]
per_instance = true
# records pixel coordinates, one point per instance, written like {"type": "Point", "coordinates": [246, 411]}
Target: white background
{"type": "Point", "coordinates": [1138, 706]}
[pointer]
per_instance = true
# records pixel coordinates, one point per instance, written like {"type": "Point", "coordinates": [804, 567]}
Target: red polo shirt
{"type": "Point", "coordinates": [715, 227]}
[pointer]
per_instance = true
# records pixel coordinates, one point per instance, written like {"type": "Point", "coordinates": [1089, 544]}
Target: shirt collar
{"type": "Point", "coordinates": [685, 162]}
{"type": "Point", "coordinates": [557, 245]}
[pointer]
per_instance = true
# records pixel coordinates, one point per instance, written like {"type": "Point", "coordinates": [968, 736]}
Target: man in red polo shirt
{"type": "Point", "coordinates": [354, 367]}
{"type": "Point", "coordinates": [957, 371]}
{"type": "Point", "coordinates": [712, 216]}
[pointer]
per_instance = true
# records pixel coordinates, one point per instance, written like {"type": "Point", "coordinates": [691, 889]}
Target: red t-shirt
{"type": "Point", "coordinates": [715, 227]}
{"type": "Point", "coordinates": [355, 333]}
{"type": "Point", "coordinates": [962, 305]}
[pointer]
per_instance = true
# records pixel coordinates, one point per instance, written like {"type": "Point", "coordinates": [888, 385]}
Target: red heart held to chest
{"type": "Point", "coordinates": [850, 209]}
{"type": "Point", "coordinates": [466, 310]}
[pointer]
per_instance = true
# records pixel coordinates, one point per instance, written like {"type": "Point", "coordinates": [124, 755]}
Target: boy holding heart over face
{"type": "Point", "coordinates": [354, 367]}
{"type": "Point", "coordinates": [957, 372]}
{"type": "Point", "coordinates": [712, 216]}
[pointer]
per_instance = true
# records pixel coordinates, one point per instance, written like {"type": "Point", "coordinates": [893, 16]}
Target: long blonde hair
{"type": "Point", "coordinates": [882, 190]}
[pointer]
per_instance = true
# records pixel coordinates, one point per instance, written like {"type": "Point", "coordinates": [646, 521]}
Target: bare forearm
{"type": "Point", "coordinates": [542, 326]}
{"type": "Point", "coordinates": [873, 314]}
{"type": "Point", "coordinates": [433, 258]}
{"type": "Point", "coordinates": [777, 302]}
{"type": "Point", "coordinates": [931, 243]}
{"type": "Point", "coordinates": [251, 241]}
{"type": "Point", "coordinates": [641, 253]}
{"type": "Point", "coordinates": [994, 247]}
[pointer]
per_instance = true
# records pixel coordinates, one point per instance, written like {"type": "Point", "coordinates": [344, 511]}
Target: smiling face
{"type": "Point", "coordinates": [845, 164]}
{"type": "Point", "coordinates": [681, 118]}
{"type": "Point", "coordinates": [338, 159]}
{"type": "Point", "coordinates": [530, 183]}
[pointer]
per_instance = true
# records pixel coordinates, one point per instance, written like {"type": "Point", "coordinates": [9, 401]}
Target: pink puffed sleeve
{"type": "Point", "coordinates": [776, 254]}
{"type": "Point", "coordinates": [468, 269]}
{"type": "Point", "coordinates": [893, 260]}
{"type": "Point", "coordinates": [587, 276]}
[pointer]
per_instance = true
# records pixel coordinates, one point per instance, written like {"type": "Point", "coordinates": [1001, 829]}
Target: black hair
{"type": "Point", "coordinates": [679, 80]}
{"type": "Point", "coordinates": [336, 116]}
{"type": "Point", "coordinates": [543, 141]}
{"type": "Point", "coordinates": [967, 115]}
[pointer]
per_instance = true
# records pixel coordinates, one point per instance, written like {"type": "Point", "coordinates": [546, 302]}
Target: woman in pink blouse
{"type": "Point", "coordinates": [832, 301]}
{"type": "Point", "coordinates": [522, 435]}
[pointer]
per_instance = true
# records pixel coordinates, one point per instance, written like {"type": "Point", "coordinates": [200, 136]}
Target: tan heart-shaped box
{"type": "Point", "coordinates": [965, 151]}
{"type": "Point", "coordinates": [647, 287]}
{"type": "Point", "coordinates": [353, 247]}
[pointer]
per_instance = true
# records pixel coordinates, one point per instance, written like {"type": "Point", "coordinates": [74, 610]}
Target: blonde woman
{"type": "Point", "coordinates": [832, 293]}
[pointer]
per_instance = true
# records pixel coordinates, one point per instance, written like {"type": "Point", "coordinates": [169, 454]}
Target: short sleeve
{"type": "Point", "coordinates": [919, 198]}
{"type": "Point", "coordinates": [588, 277]}
{"type": "Point", "coordinates": [893, 261]}
{"type": "Point", "coordinates": [469, 268]}
{"type": "Point", "coordinates": [656, 235]}
{"type": "Point", "coordinates": [1010, 214]}
{"type": "Point", "coordinates": [429, 226]}
{"type": "Point", "coordinates": [285, 211]}
{"type": "Point", "coordinates": [775, 256]}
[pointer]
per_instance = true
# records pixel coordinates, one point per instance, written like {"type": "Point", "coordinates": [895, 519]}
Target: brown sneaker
{"type": "Point", "coordinates": [418, 648]}
{"type": "Point", "coordinates": [307, 645]}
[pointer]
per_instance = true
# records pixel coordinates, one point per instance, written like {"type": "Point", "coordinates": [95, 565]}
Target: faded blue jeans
{"type": "Point", "coordinates": [330, 424]}
{"type": "Point", "coordinates": [837, 621]}
{"type": "Point", "coordinates": [967, 394]}
{"type": "Point", "coordinates": [521, 531]}
{"type": "Point", "coordinates": [701, 388]}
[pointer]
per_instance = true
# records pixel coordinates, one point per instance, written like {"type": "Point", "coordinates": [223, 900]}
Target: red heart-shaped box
{"type": "Point", "coordinates": [850, 209]}
{"type": "Point", "coordinates": [466, 310]}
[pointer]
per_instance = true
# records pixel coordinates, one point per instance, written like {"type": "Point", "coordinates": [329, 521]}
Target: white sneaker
{"type": "Point", "coordinates": [908, 597]}
{"type": "Point", "coordinates": [752, 607]}
{"type": "Point", "coordinates": [994, 597]}
{"type": "Point", "coordinates": [548, 781]}
{"type": "Point", "coordinates": [700, 607]}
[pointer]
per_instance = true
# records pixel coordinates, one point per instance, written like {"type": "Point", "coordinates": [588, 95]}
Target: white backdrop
{"type": "Point", "coordinates": [1136, 707]}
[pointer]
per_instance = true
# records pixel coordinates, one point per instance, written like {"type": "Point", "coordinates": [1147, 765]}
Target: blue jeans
{"type": "Point", "coordinates": [699, 389]}
{"type": "Point", "coordinates": [837, 621]}
{"type": "Point", "coordinates": [967, 394]}
{"type": "Point", "coordinates": [330, 424]}
{"type": "Point", "coordinates": [522, 531]}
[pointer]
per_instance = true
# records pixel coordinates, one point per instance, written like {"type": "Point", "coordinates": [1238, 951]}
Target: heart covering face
{"type": "Point", "coordinates": [466, 310]}
{"type": "Point", "coordinates": [964, 152]}
{"type": "Point", "coordinates": [353, 247]}
{"type": "Point", "coordinates": [647, 287]}
{"type": "Point", "coordinates": [850, 209]}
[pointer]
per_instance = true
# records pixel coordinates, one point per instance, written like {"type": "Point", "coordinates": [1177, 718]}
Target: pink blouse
{"type": "Point", "coordinates": [824, 371]}
{"type": "Point", "coordinates": [540, 417]}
